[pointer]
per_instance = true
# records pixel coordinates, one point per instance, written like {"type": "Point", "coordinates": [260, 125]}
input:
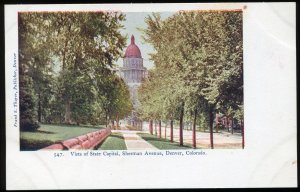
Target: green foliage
{"type": "Point", "coordinates": [161, 143]}
{"type": "Point", "coordinates": [203, 121]}
{"type": "Point", "coordinates": [198, 60]}
{"type": "Point", "coordinates": [28, 119]}
{"type": "Point", "coordinates": [66, 63]}
{"type": "Point", "coordinates": [116, 101]}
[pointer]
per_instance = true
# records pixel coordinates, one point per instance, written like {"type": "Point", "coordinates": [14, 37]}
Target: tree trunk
{"type": "Point", "coordinates": [231, 125]}
{"type": "Point", "coordinates": [171, 131]}
{"type": "Point", "coordinates": [159, 128]}
{"type": "Point", "coordinates": [194, 128]}
{"type": "Point", "coordinates": [191, 121]}
{"type": "Point", "coordinates": [211, 120]}
{"type": "Point", "coordinates": [39, 109]}
{"type": "Point", "coordinates": [155, 127]}
{"type": "Point", "coordinates": [68, 111]}
{"type": "Point", "coordinates": [118, 120]}
{"type": "Point", "coordinates": [112, 123]}
{"type": "Point", "coordinates": [64, 54]}
{"type": "Point", "coordinates": [181, 125]}
{"type": "Point", "coordinates": [67, 101]}
{"type": "Point", "coordinates": [166, 130]}
{"type": "Point", "coordinates": [227, 124]}
{"type": "Point", "coordinates": [106, 118]}
{"type": "Point", "coordinates": [151, 127]}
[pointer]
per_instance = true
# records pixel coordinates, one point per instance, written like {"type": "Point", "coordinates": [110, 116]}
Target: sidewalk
{"type": "Point", "coordinates": [222, 139]}
{"type": "Point", "coordinates": [135, 142]}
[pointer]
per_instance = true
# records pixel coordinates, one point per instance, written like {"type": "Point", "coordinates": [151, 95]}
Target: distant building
{"type": "Point", "coordinates": [133, 72]}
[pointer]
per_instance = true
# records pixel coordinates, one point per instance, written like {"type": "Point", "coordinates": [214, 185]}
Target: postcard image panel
{"type": "Point", "coordinates": [104, 96]}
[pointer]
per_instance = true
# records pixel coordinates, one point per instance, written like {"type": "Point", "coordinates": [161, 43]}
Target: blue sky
{"type": "Point", "coordinates": [133, 21]}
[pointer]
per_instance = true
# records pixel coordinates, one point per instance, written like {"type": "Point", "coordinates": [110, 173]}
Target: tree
{"type": "Point", "coordinates": [115, 99]}
{"type": "Point", "coordinates": [196, 51]}
{"type": "Point", "coordinates": [34, 70]}
{"type": "Point", "coordinates": [28, 118]}
{"type": "Point", "coordinates": [84, 38]}
{"type": "Point", "coordinates": [66, 61]}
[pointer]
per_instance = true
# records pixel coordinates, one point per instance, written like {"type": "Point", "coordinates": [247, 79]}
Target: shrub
{"type": "Point", "coordinates": [28, 119]}
{"type": "Point", "coordinates": [28, 125]}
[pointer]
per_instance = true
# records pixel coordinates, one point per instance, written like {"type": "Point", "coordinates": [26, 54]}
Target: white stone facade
{"type": "Point", "coordinates": [133, 72]}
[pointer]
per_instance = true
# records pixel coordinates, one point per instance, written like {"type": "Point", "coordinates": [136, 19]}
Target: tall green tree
{"type": "Point", "coordinates": [66, 61]}
{"type": "Point", "coordinates": [35, 68]}
{"type": "Point", "coordinates": [202, 53]}
{"type": "Point", "coordinates": [83, 38]}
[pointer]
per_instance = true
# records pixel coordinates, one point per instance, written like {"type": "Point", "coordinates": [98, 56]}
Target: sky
{"type": "Point", "coordinates": [133, 21]}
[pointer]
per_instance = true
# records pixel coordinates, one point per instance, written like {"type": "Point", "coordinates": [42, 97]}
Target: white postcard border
{"type": "Point", "coordinates": [268, 160]}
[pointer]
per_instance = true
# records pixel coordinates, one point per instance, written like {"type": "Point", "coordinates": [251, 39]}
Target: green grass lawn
{"type": "Point", "coordinates": [113, 142]}
{"type": "Point", "coordinates": [49, 134]}
{"type": "Point", "coordinates": [161, 143]}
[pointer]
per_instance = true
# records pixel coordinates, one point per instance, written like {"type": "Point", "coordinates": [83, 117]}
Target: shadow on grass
{"type": "Point", "coordinates": [75, 125]}
{"type": "Point", "coordinates": [40, 131]}
{"type": "Point", "coordinates": [117, 136]}
{"type": "Point", "coordinates": [33, 145]}
{"type": "Point", "coordinates": [93, 127]}
{"type": "Point", "coordinates": [164, 143]}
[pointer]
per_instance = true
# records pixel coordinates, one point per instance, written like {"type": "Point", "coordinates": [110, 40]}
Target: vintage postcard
{"type": "Point", "coordinates": [121, 96]}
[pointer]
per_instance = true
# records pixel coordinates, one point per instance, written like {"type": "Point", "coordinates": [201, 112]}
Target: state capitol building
{"type": "Point", "coordinates": [133, 72]}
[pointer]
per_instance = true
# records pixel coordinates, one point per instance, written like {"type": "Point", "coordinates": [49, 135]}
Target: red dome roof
{"type": "Point", "coordinates": [133, 50]}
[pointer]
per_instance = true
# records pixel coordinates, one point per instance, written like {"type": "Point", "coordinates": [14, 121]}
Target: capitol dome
{"type": "Point", "coordinates": [133, 50]}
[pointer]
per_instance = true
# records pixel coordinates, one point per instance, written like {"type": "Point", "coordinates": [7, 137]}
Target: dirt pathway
{"type": "Point", "coordinates": [135, 142]}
